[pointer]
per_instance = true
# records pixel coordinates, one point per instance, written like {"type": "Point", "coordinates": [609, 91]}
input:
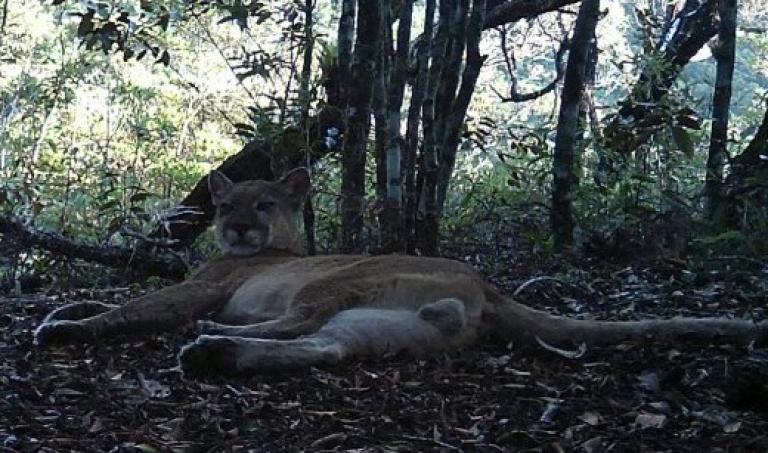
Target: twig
{"type": "Point", "coordinates": [432, 441]}
{"type": "Point", "coordinates": [739, 258]}
{"type": "Point", "coordinates": [575, 354]}
{"type": "Point", "coordinates": [509, 60]}
{"type": "Point", "coordinates": [534, 280]}
{"type": "Point", "coordinates": [162, 243]}
{"type": "Point", "coordinates": [213, 42]}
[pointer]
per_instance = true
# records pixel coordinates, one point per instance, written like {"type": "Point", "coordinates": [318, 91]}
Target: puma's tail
{"type": "Point", "coordinates": [513, 321]}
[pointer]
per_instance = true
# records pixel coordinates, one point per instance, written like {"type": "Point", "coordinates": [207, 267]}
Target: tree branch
{"type": "Point", "coordinates": [516, 96]}
{"type": "Point", "coordinates": [139, 261]}
{"type": "Point", "coordinates": [514, 10]}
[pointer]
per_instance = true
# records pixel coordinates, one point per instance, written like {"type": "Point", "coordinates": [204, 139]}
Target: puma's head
{"type": "Point", "coordinates": [254, 215]}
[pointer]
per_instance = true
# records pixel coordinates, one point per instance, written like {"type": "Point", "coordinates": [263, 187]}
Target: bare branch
{"type": "Point", "coordinates": [509, 59]}
{"type": "Point", "coordinates": [142, 262]}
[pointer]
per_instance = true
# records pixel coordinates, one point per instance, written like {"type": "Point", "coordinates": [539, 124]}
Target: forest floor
{"type": "Point", "coordinates": [121, 397]}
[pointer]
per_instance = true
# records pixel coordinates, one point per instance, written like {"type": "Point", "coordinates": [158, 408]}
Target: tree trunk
{"type": "Point", "coordinates": [381, 114]}
{"type": "Point", "coordinates": [586, 108]}
{"type": "Point", "coordinates": [744, 181]}
{"type": "Point", "coordinates": [459, 106]}
{"type": "Point", "coordinates": [724, 53]}
{"type": "Point", "coordinates": [752, 156]}
{"type": "Point", "coordinates": [426, 217]}
{"type": "Point", "coordinates": [345, 39]}
{"type": "Point", "coordinates": [392, 204]}
{"type": "Point", "coordinates": [358, 123]}
{"type": "Point", "coordinates": [306, 65]}
{"type": "Point", "coordinates": [305, 100]}
{"type": "Point", "coordinates": [418, 95]}
{"type": "Point", "coordinates": [564, 178]}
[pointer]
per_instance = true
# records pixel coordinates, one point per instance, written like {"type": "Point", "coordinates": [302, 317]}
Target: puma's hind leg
{"type": "Point", "coordinates": [284, 327]}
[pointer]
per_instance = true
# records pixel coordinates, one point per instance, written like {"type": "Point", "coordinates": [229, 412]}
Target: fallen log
{"type": "Point", "coordinates": [140, 262]}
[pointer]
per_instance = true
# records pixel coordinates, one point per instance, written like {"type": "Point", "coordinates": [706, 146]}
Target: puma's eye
{"type": "Point", "coordinates": [265, 205]}
{"type": "Point", "coordinates": [225, 208]}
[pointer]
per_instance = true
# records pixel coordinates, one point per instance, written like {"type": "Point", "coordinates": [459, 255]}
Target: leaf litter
{"type": "Point", "coordinates": [130, 397]}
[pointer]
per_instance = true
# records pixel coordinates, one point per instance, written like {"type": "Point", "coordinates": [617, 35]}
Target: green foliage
{"type": "Point", "coordinates": [97, 141]}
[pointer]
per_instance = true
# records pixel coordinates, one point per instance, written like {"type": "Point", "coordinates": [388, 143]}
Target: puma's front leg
{"type": "Point", "coordinates": [167, 309]}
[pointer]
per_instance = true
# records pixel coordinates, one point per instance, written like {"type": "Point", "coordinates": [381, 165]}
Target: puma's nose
{"type": "Point", "coordinates": [240, 228]}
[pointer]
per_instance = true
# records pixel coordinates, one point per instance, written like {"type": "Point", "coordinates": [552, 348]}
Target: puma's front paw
{"type": "Point", "coordinates": [210, 355]}
{"type": "Point", "coordinates": [59, 332]}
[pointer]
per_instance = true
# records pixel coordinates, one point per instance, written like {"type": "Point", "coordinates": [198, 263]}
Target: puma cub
{"type": "Point", "coordinates": [273, 309]}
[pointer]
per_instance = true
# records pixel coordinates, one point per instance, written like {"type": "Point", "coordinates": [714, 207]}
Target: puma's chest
{"type": "Point", "coordinates": [260, 298]}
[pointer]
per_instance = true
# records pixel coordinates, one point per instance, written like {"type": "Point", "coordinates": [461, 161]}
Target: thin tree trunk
{"type": "Point", "coordinates": [426, 217]}
{"type": "Point", "coordinates": [585, 105]}
{"type": "Point", "coordinates": [724, 53]}
{"type": "Point", "coordinates": [749, 163]}
{"type": "Point", "coordinates": [381, 115]}
{"type": "Point", "coordinates": [346, 36]}
{"type": "Point", "coordinates": [459, 106]}
{"type": "Point", "coordinates": [392, 201]}
{"type": "Point", "coordinates": [305, 100]}
{"type": "Point", "coordinates": [306, 68]}
{"type": "Point", "coordinates": [358, 123]}
{"type": "Point", "coordinates": [451, 71]}
{"type": "Point", "coordinates": [418, 94]}
{"type": "Point", "coordinates": [564, 178]}
{"type": "Point", "coordinates": [752, 156]}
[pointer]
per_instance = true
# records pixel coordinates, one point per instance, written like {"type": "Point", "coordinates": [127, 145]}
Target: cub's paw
{"type": "Point", "coordinates": [210, 355]}
{"type": "Point", "coordinates": [60, 332]}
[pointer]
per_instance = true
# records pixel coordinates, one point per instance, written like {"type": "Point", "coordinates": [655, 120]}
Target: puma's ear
{"type": "Point", "coordinates": [295, 184]}
{"type": "Point", "coordinates": [219, 186]}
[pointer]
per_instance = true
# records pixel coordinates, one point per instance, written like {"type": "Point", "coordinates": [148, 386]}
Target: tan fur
{"type": "Point", "coordinates": [275, 310]}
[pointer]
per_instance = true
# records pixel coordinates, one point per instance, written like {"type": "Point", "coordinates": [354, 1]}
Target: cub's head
{"type": "Point", "coordinates": [254, 215]}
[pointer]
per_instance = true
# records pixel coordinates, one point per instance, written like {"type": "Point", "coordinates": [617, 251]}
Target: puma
{"type": "Point", "coordinates": [275, 310]}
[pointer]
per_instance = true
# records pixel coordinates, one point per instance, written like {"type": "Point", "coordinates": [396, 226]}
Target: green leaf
{"type": "Point", "coordinates": [108, 205]}
{"type": "Point", "coordinates": [165, 58]}
{"type": "Point", "coordinates": [86, 23]}
{"type": "Point", "coordinates": [683, 140]}
{"type": "Point", "coordinates": [244, 127]}
{"type": "Point", "coordinates": [140, 196]}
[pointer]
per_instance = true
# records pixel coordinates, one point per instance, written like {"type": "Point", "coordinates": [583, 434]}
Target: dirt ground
{"type": "Point", "coordinates": [122, 397]}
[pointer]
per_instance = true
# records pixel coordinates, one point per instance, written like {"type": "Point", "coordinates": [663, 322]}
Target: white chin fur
{"type": "Point", "coordinates": [240, 249]}
{"type": "Point", "coordinates": [231, 243]}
